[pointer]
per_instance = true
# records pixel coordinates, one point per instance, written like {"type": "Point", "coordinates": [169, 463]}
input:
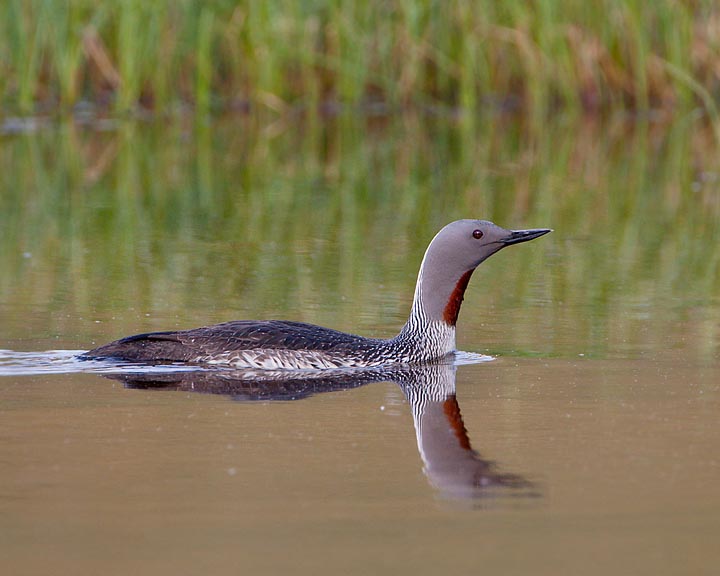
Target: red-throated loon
{"type": "Point", "coordinates": [428, 335]}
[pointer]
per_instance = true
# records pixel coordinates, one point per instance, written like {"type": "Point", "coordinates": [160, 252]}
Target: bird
{"type": "Point", "coordinates": [427, 337]}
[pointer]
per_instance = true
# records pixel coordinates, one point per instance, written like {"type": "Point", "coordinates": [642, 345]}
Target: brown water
{"type": "Point", "coordinates": [600, 411]}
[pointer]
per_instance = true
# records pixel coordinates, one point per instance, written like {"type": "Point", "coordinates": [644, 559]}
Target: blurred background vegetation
{"type": "Point", "coordinates": [168, 164]}
{"type": "Point", "coordinates": [130, 55]}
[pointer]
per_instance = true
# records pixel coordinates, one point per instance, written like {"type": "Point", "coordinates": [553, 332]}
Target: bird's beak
{"type": "Point", "coordinates": [517, 236]}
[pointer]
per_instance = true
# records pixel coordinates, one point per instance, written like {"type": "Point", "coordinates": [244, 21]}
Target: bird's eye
{"type": "Point", "coordinates": [477, 234]}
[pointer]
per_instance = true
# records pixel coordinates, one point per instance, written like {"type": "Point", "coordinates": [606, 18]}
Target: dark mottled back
{"type": "Point", "coordinates": [187, 345]}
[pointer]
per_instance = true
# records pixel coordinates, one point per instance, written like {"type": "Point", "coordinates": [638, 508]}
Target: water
{"type": "Point", "coordinates": [593, 428]}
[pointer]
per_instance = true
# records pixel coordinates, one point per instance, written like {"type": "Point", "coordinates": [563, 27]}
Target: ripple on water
{"type": "Point", "coordinates": [463, 358]}
{"type": "Point", "coordinates": [14, 363]}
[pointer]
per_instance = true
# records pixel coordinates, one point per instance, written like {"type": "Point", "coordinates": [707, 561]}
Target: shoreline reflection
{"type": "Point", "coordinates": [451, 465]}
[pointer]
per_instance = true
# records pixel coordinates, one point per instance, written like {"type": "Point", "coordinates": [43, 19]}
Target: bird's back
{"type": "Point", "coordinates": [267, 343]}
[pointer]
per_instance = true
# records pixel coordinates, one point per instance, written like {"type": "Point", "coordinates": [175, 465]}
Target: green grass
{"type": "Point", "coordinates": [278, 54]}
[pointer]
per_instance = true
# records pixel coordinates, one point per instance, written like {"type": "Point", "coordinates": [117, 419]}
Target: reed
{"type": "Point", "coordinates": [279, 54]}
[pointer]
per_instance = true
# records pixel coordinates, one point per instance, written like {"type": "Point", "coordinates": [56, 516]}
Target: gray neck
{"type": "Point", "coordinates": [438, 292]}
{"type": "Point", "coordinates": [431, 325]}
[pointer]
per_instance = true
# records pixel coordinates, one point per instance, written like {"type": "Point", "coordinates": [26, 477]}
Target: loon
{"type": "Point", "coordinates": [427, 337]}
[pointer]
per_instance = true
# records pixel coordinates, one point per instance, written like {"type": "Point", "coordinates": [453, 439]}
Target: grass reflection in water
{"type": "Point", "coordinates": [159, 226]}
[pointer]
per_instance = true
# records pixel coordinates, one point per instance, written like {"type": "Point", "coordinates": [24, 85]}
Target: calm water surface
{"type": "Point", "coordinates": [595, 429]}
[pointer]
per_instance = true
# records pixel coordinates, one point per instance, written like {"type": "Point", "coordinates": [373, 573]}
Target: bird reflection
{"type": "Point", "coordinates": [450, 463]}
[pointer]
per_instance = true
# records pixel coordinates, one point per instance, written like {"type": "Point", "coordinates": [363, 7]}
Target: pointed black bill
{"type": "Point", "coordinates": [517, 236]}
